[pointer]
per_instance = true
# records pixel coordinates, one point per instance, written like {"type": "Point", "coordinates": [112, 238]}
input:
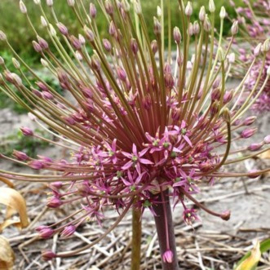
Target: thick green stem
{"type": "Point", "coordinates": [136, 239]}
{"type": "Point", "coordinates": [165, 230]}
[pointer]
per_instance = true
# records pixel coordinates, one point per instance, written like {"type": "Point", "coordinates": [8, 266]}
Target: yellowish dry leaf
{"type": "Point", "coordinates": [265, 155]}
{"type": "Point", "coordinates": [251, 262]}
{"type": "Point", "coordinates": [7, 182]}
{"type": "Point", "coordinates": [6, 254]}
{"type": "Point", "coordinates": [15, 203]}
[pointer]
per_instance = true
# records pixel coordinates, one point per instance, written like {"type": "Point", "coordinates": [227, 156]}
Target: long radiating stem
{"type": "Point", "coordinates": [165, 230]}
{"type": "Point", "coordinates": [136, 239]}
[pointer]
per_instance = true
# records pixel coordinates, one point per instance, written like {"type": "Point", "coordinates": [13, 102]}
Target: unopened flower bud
{"type": "Point", "coordinates": [23, 8]}
{"type": "Point", "coordinates": [256, 146]}
{"type": "Point", "coordinates": [121, 74]}
{"type": "Point", "coordinates": [49, 3]}
{"type": "Point", "coordinates": [62, 28]}
{"type": "Point", "coordinates": [43, 43]}
{"type": "Point", "coordinates": [231, 58]}
{"type": "Point", "coordinates": [89, 33]}
{"type": "Point", "coordinates": [16, 63]}
{"type": "Point", "coordinates": [20, 155]}
{"type": "Point", "coordinates": [154, 46]}
{"type": "Point", "coordinates": [27, 131]}
{"type": "Point", "coordinates": [222, 13]}
{"type": "Point", "coordinates": [177, 35]}
{"type": "Point", "coordinates": [107, 45]}
{"type": "Point", "coordinates": [44, 63]}
{"type": "Point", "coordinates": [234, 28]}
{"type": "Point", "coordinates": [157, 26]}
{"type": "Point", "coordinates": [43, 21]}
{"type": "Point", "coordinates": [227, 97]}
{"type": "Point", "coordinates": [196, 28]}
{"type": "Point", "coordinates": [75, 42]}
{"type": "Point", "coordinates": [190, 29]}
{"type": "Point", "coordinates": [134, 46]}
{"type": "Point", "coordinates": [206, 24]}
{"type": "Point", "coordinates": [212, 7]}
{"type": "Point", "coordinates": [36, 164]}
{"type": "Point", "coordinates": [54, 202]}
{"type": "Point", "coordinates": [52, 30]}
{"type": "Point", "coordinates": [266, 45]}
{"type": "Point", "coordinates": [108, 7]}
{"type": "Point", "coordinates": [267, 139]}
{"type": "Point", "coordinates": [68, 231]}
{"type": "Point", "coordinates": [188, 9]}
{"type": "Point", "coordinates": [215, 95]}
{"type": "Point", "coordinates": [48, 255]}
{"type": "Point", "coordinates": [95, 62]}
{"type": "Point", "coordinates": [45, 232]}
{"type": "Point", "coordinates": [78, 56]}
{"type": "Point", "coordinates": [202, 14]}
{"type": "Point", "coordinates": [92, 11]}
{"type": "Point", "coordinates": [249, 120]}
{"type": "Point", "coordinates": [71, 3]}
{"type": "Point", "coordinates": [247, 133]}
{"type": "Point", "coordinates": [137, 7]}
{"type": "Point", "coordinates": [112, 29]}
{"type": "Point", "coordinates": [37, 2]}
{"type": "Point", "coordinates": [2, 36]}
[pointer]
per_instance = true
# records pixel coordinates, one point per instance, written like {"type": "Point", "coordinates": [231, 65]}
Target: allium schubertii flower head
{"type": "Point", "coordinates": [143, 125]}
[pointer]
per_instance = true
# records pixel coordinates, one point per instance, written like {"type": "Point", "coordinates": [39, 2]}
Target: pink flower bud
{"type": "Point", "coordinates": [249, 121]}
{"type": "Point", "coordinates": [43, 43]}
{"type": "Point", "coordinates": [157, 26]}
{"type": "Point", "coordinates": [177, 35]}
{"type": "Point", "coordinates": [121, 74]}
{"type": "Point", "coordinates": [68, 231]}
{"type": "Point", "coordinates": [227, 97]}
{"type": "Point", "coordinates": [92, 11]}
{"type": "Point", "coordinates": [167, 256]}
{"type": "Point", "coordinates": [36, 46]}
{"type": "Point", "coordinates": [247, 133]}
{"type": "Point", "coordinates": [154, 46]}
{"type": "Point", "coordinates": [27, 131]}
{"type": "Point", "coordinates": [107, 45]}
{"type": "Point", "coordinates": [75, 42]}
{"type": "Point", "coordinates": [255, 146]}
{"type": "Point", "coordinates": [134, 46]}
{"type": "Point", "coordinates": [45, 232]}
{"type": "Point", "coordinates": [36, 164]}
{"type": "Point", "coordinates": [108, 7]}
{"type": "Point", "coordinates": [54, 202]}
{"type": "Point", "coordinates": [20, 155]}
{"type": "Point", "coordinates": [2, 36]}
{"type": "Point", "coordinates": [62, 28]}
{"type": "Point", "coordinates": [48, 255]}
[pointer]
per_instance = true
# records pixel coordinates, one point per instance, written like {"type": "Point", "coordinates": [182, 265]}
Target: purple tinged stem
{"type": "Point", "coordinates": [163, 212]}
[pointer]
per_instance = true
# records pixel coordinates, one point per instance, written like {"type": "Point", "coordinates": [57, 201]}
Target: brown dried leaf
{"type": "Point", "coordinates": [7, 256]}
{"type": "Point", "coordinates": [14, 203]}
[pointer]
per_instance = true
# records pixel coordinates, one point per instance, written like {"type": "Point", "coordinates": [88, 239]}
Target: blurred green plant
{"type": "Point", "coordinates": [20, 36]}
{"type": "Point", "coordinates": [28, 145]}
